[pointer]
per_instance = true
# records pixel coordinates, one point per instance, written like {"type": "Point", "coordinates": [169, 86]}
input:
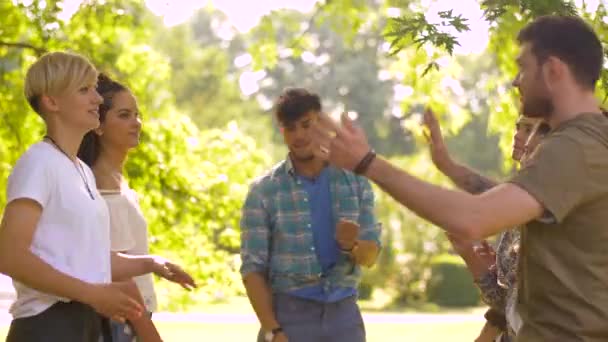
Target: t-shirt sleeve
{"type": "Point", "coordinates": [556, 176]}
{"type": "Point", "coordinates": [121, 237]}
{"type": "Point", "coordinates": [30, 179]}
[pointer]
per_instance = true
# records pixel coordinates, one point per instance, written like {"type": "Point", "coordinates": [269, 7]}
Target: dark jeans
{"type": "Point", "coordinates": [65, 322]}
{"type": "Point", "coordinates": [310, 321]}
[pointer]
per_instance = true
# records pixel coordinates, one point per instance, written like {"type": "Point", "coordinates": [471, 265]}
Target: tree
{"type": "Point", "coordinates": [344, 72]}
{"type": "Point", "coordinates": [191, 182]}
{"type": "Point", "coordinates": [203, 78]}
{"type": "Point", "coordinates": [506, 17]}
{"type": "Point", "coordinates": [422, 50]}
{"type": "Point", "coordinates": [470, 93]}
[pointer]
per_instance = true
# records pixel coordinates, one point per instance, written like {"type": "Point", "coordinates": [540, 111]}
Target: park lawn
{"type": "Point", "coordinates": [240, 305]}
{"type": "Point", "coordinates": [185, 332]}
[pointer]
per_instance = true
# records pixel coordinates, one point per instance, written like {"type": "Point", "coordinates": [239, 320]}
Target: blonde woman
{"type": "Point", "coordinates": [54, 239]}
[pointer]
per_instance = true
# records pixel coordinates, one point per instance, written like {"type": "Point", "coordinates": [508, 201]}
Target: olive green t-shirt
{"type": "Point", "coordinates": [563, 283]}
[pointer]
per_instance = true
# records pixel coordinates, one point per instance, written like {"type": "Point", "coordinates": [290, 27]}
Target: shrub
{"type": "Point", "coordinates": [450, 283]}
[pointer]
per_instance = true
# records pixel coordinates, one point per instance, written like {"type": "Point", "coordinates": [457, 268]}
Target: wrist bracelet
{"type": "Point", "coordinates": [365, 162]}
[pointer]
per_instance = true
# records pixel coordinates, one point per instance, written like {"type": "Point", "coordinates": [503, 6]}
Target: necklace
{"type": "Point", "coordinates": [80, 169]}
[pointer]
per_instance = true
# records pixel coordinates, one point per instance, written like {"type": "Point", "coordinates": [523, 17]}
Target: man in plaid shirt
{"type": "Point", "coordinates": [306, 229]}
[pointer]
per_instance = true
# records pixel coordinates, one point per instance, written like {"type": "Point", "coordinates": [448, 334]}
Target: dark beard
{"type": "Point", "coordinates": [538, 107]}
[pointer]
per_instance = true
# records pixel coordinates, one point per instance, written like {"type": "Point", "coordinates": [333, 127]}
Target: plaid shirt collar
{"type": "Point", "coordinates": [290, 167]}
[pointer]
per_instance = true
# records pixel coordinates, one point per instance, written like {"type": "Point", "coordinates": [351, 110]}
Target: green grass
{"type": "Point", "coordinates": [185, 332]}
{"type": "Point", "coordinates": [240, 305]}
{"type": "Point", "coordinates": [380, 332]}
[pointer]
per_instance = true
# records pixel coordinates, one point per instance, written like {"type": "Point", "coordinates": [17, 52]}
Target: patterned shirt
{"type": "Point", "coordinates": [276, 235]}
{"type": "Point", "coordinates": [499, 285]}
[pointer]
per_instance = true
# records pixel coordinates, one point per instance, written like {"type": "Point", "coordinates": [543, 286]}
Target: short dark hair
{"type": "Point", "coordinates": [294, 103]}
{"type": "Point", "coordinates": [570, 39]}
{"type": "Point", "coordinates": [543, 128]}
{"type": "Point", "coordinates": [90, 146]}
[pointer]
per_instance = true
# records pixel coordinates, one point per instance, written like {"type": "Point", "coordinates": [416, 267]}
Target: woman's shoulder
{"type": "Point", "coordinates": [39, 156]}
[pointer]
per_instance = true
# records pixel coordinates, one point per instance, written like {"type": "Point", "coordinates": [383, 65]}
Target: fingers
{"type": "Point", "coordinates": [324, 131]}
{"type": "Point", "coordinates": [349, 124]}
{"type": "Point", "coordinates": [181, 277]}
{"type": "Point", "coordinates": [130, 308]}
{"type": "Point", "coordinates": [353, 130]}
{"type": "Point", "coordinates": [186, 286]}
{"type": "Point", "coordinates": [487, 248]}
{"type": "Point", "coordinates": [327, 124]}
{"type": "Point", "coordinates": [346, 244]}
{"type": "Point", "coordinates": [321, 152]}
{"type": "Point", "coordinates": [191, 283]}
{"type": "Point", "coordinates": [427, 118]}
{"type": "Point", "coordinates": [129, 305]}
{"type": "Point", "coordinates": [429, 114]}
{"type": "Point", "coordinates": [186, 282]}
{"type": "Point", "coordinates": [118, 318]}
{"type": "Point", "coordinates": [347, 229]}
{"type": "Point", "coordinates": [322, 138]}
{"type": "Point", "coordinates": [486, 245]}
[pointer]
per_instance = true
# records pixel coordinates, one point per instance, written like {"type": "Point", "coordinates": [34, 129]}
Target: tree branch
{"type": "Point", "coordinates": [222, 246]}
{"type": "Point", "coordinates": [38, 50]}
{"type": "Point", "coordinates": [309, 25]}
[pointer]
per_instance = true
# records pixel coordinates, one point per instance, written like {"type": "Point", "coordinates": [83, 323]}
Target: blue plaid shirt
{"type": "Point", "coordinates": [276, 234]}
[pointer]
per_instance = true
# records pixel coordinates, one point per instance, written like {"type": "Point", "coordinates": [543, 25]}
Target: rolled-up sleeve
{"type": "Point", "coordinates": [557, 176]}
{"type": "Point", "coordinates": [370, 228]}
{"type": "Point", "coordinates": [255, 232]}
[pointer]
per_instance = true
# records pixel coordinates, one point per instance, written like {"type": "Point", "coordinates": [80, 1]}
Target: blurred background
{"type": "Point", "coordinates": [206, 74]}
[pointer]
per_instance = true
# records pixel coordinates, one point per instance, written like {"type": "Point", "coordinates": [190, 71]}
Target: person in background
{"type": "Point", "coordinates": [494, 272]}
{"type": "Point", "coordinates": [306, 230]}
{"type": "Point", "coordinates": [105, 150]}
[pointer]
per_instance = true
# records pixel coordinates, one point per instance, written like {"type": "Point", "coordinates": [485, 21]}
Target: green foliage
{"type": "Point", "coordinates": [415, 28]}
{"type": "Point", "coordinates": [345, 75]}
{"type": "Point", "coordinates": [203, 77]}
{"type": "Point", "coordinates": [191, 182]}
{"type": "Point", "coordinates": [450, 283]}
{"type": "Point", "coordinates": [408, 242]}
{"type": "Point", "coordinates": [192, 191]}
{"type": "Point", "coordinates": [506, 18]}
{"type": "Point", "coordinates": [495, 9]}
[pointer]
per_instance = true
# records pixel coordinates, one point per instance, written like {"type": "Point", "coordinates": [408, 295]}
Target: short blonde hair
{"type": "Point", "coordinates": [55, 73]}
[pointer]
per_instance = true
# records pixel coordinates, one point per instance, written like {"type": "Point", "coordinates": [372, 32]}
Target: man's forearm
{"type": "Point", "coordinates": [465, 178]}
{"type": "Point", "coordinates": [31, 270]}
{"type": "Point", "coordinates": [456, 212]}
{"type": "Point", "coordinates": [366, 253]}
{"type": "Point", "coordinates": [126, 266]}
{"type": "Point", "coordinates": [260, 297]}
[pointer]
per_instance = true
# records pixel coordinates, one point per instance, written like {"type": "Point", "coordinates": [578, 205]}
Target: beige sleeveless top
{"type": "Point", "coordinates": [129, 234]}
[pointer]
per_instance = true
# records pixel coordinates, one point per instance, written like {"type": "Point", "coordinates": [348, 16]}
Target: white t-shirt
{"type": "Point", "coordinates": [129, 234]}
{"type": "Point", "coordinates": [73, 234]}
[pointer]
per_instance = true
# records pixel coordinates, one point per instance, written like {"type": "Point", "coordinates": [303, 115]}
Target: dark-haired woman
{"type": "Point", "coordinates": [105, 150]}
